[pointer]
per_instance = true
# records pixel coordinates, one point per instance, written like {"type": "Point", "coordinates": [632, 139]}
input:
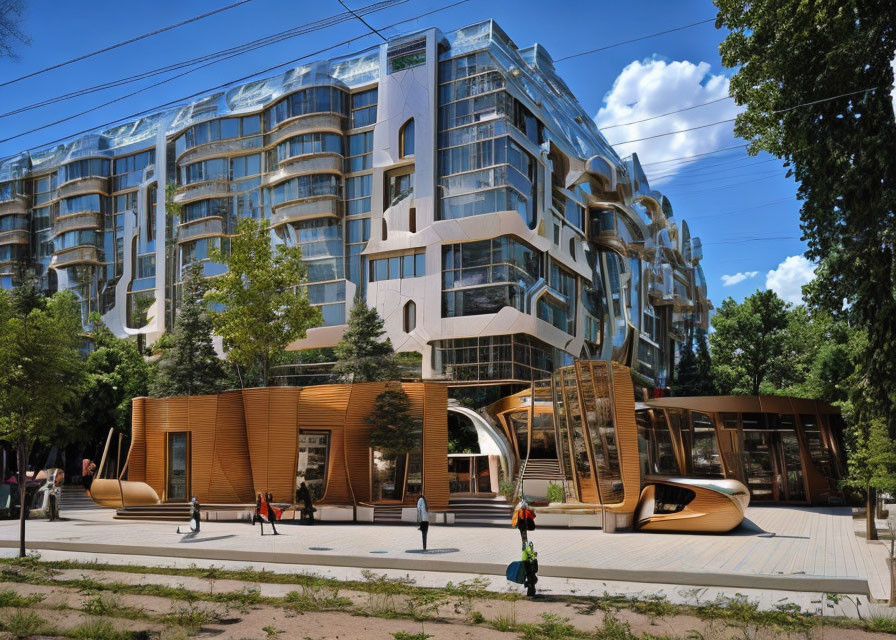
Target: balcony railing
{"type": "Point", "coordinates": [77, 255]}
{"type": "Point", "coordinates": [198, 191]}
{"type": "Point", "coordinates": [15, 236]}
{"type": "Point", "coordinates": [305, 208]}
{"type": "Point", "coordinates": [90, 184]}
{"type": "Point", "coordinates": [200, 228]}
{"type": "Point", "coordinates": [77, 221]}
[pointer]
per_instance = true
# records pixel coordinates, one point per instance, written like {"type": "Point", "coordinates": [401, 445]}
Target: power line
{"type": "Point", "coordinates": [776, 111]}
{"type": "Point", "coordinates": [129, 95]}
{"type": "Point", "coordinates": [123, 43]}
{"type": "Point", "coordinates": [619, 44]}
{"type": "Point", "coordinates": [697, 174]}
{"type": "Point", "coordinates": [668, 113]}
{"type": "Point", "coordinates": [722, 214]}
{"type": "Point", "coordinates": [363, 21]}
{"type": "Point", "coordinates": [217, 56]}
{"type": "Point", "coordinates": [726, 186]}
{"type": "Point", "coordinates": [669, 133]}
{"type": "Point", "coordinates": [235, 80]}
{"type": "Point", "coordinates": [696, 155]}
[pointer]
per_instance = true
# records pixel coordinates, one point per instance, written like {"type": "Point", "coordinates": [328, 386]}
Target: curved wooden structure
{"type": "Point", "coordinates": [243, 442]}
{"type": "Point", "coordinates": [692, 504]}
{"type": "Point", "coordinates": [119, 493]}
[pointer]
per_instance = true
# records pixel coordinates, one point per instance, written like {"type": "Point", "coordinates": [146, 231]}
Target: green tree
{"type": "Point", "coordinates": [394, 433]}
{"type": "Point", "coordinates": [815, 78]}
{"type": "Point", "coordinates": [871, 464]}
{"type": "Point", "coordinates": [41, 373]}
{"type": "Point", "coordinates": [116, 373]}
{"type": "Point", "coordinates": [263, 306]}
{"type": "Point", "coordinates": [748, 343]}
{"type": "Point", "coordinates": [190, 365]}
{"type": "Point", "coordinates": [706, 385]}
{"type": "Point", "coordinates": [685, 372]}
{"type": "Point", "coordinates": [362, 355]}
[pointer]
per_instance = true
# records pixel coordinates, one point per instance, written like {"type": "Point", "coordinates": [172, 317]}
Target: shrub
{"type": "Point", "coordinates": [556, 493]}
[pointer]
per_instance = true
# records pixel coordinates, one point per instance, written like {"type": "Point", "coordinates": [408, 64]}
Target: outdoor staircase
{"type": "Point", "coordinates": [74, 498]}
{"type": "Point", "coordinates": [548, 469]}
{"type": "Point", "coordinates": [170, 512]}
{"type": "Point", "coordinates": [476, 510]}
{"type": "Point", "coordinates": [387, 514]}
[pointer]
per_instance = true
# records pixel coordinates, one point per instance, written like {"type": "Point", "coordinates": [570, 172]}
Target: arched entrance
{"type": "Point", "coordinates": [479, 455]}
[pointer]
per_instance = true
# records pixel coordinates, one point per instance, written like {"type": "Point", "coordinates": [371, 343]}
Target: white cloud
{"type": "Point", "coordinates": [728, 281]}
{"type": "Point", "coordinates": [651, 87]}
{"type": "Point", "coordinates": [790, 276]}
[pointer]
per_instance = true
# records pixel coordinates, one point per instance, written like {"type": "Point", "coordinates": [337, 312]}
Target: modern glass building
{"type": "Point", "coordinates": [450, 179]}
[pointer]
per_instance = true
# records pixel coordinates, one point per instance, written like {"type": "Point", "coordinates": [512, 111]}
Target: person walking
{"type": "Point", "coordinates": [530, 562]}
{"type": "Point", "coordinates": [524, 520]}
{"type": "Point", "coordinates": [303, 495]}
{"type": "Point", "coordinates": [194, 516]}
{"type": "Point", "coordinates": [264, 512]}
{"type": "Point", "coordinates": [423, 518]}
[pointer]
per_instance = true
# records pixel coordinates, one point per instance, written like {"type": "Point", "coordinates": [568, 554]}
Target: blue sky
{"type": "Point", "coordinates": [744, 209]}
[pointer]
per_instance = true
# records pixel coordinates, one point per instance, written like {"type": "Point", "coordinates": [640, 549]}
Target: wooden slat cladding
{"type": "Point", "coordinates": [627, 437]}
{"type": "Point", "coordinates": [137, 454]}
{"type": "Point", "coordinates": [435, 444]}
{"type": "Point", "coordinates": [230, 480]}
{"type": "Point", "coordinates": [244, 442]}
{"type": "Point", "coordinates": [322, 408]}
{"type": "Point", "coordinates": [357, 437]}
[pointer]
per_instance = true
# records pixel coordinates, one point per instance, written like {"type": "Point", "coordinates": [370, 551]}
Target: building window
{"type": "Point", "coordinates": [398, 187]}
{"type": "Point", "coordinates": [410, 316]}
{"type": "Point", "coordinates": [385, 230]}
{"type": "Point", "coordinates": [411, 265]}
{"type": "Point", "coordinates": [412, 220]}
{"type": "Point", "coordinates": [406, 139]}
{"type": "Point", "coordinates": [487, 275]}
{"type": "Point", "coordinates": [364, 108]}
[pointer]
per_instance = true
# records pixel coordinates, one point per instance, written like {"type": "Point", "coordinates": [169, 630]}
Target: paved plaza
{"type": "Point", "coordinates": [778, 548]}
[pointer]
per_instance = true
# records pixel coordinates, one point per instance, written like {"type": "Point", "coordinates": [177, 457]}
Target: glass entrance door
{"type": "Point", "coordinates": [314, 451]}
{"type": "Point", "coordinates": [544, 446]}
{"type": "Point", "coordinates": [178, 450]}
{"type": "Point", "coordinates": [771, 455]}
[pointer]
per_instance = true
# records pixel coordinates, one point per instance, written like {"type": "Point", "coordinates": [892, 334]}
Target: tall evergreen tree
{"type": "Point", "coordinates": [685, 372]}
{"type": "Point", "coordinates": [706, 385]}
{"type": "Point", "coordinates": [190, 366]}
{"type": "Point", "coordinates": [394, 431]}
{"type": "Point", "coordinates": [362, 354]}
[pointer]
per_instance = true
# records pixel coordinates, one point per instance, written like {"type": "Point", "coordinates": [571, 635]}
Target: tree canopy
{"type": "Point", "coordinates": [362, 355]}
{"type": "Point", "coordinates": [693, 375]}
{"type": "Point", "coordinates": [748, 342]}
{"type": "Point", "coordinates": [815, 78]}
{"type": "Point", "coordinates": [41, 373]}
{"type": "Point", "coordinates": [116, 373]}
{"type": "Point", "coordinates": [190, 365]}
{"type": "Point", "coordinates": [259, 305]}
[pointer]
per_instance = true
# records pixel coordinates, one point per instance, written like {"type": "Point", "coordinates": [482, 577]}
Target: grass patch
{"type": "Point", "coordinates": [313, 598]}
{"type": "Point", "coordinates": [190, 616]}
{"type": "Point", "coordinates": [403, 635]}
{"type": "Point", "coordinates": [9, 598]}
{"type": "Point", "coordinates": [740, 610]}
{"type": "Point", "coordinates": [97, 629]}
{"type": "Point", "coordinates": [22, 624]}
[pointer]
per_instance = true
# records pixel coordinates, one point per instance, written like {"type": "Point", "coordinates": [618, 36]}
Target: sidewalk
{"type": "Point", "coordinates": [813, 550]}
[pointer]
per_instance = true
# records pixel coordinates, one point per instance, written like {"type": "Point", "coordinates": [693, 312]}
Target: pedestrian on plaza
{"type": "Point", "coordinates": [88, 469]}
{"type": "Point", "coordinates": [524, 520]}
{"type": "Point", "coordinates": [423, 518]}
{"type": "Point", "coordinates": [194, 517]}
{"type": "Point", "coordinates": [530, 561]}
{"type": "Point", "coordinates": [265, 512]}
{"type": "Point", "coordinates": [303, 495]}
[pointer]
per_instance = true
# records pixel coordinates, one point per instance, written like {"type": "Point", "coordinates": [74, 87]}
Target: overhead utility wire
{"type": "Point", "coordinates": [131, 94]}
{"type": "Point", "coordinates": [123, 43]}
{"type": "Point", "coordinates": [776, 111]}
{"type": "Point", "coordinates": [668, 113]}
{"type": "Point", "coordinates": [235, 80]}
{"type": "Point", "coordinates": [619, 44]}
{"type": "Point", "coordinates": [696, 155]}
{"type": "Point", "coordinates": [712, 169]}
{"type": "Point", "coordinates": [218, 56]}
{"type": "Point", "coordinates": [363, 21]}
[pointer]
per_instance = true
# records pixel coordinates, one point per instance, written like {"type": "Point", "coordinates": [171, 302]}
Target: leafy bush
{"type": "Point", "coordinates": [556, 493]}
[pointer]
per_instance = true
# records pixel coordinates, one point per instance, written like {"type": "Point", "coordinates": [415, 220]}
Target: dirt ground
{"type": "Point", "coordinates": [102, 605]}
